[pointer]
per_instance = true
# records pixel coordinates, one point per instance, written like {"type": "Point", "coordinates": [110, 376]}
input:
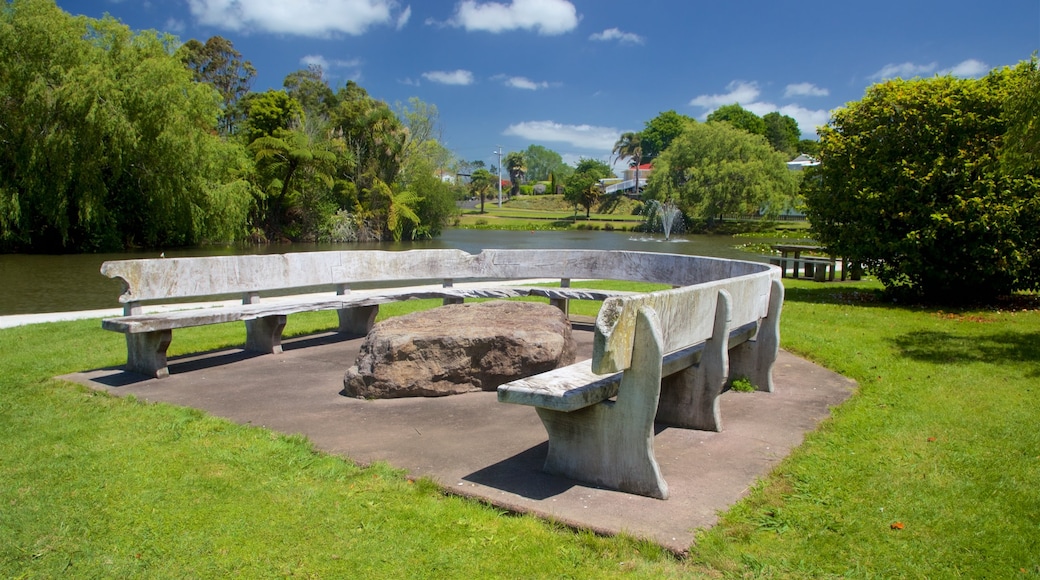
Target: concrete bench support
{"type": "Point", "coordinates": [690, 398]}
{"type": "Point", "coordinates": [612, 443]}
{"type": "Point", "coordinates": [754, 358]}
{"type": "Point", "coordinates": [146, 352]}
{"type": "Point", "coordinates": [264, 335]}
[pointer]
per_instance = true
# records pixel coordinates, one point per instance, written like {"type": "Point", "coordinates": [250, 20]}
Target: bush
{"type": "Point", "coordinates": [910, 184]}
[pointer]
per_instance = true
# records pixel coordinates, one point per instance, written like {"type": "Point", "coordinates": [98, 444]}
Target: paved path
{"type": "Point", "coordinates": [472, 445]}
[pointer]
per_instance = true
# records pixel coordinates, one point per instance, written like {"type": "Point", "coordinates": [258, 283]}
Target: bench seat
{"type": "Point", "coordinates": [149, 335]}
{"type": "Point", "coordinates": [575, 386]}
{"type": "Point", "coordinates": [137, 323]}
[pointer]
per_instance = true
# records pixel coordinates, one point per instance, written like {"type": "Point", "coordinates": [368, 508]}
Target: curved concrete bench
{"type": "Point", "coordinates": [663, 355]}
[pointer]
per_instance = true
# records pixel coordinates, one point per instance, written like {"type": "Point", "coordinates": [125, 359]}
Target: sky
{"type": "Point", "coordinates": [572, 75]}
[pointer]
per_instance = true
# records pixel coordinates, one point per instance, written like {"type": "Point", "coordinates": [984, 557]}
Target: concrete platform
{"type": "Point", "coordinates": [473, 445]}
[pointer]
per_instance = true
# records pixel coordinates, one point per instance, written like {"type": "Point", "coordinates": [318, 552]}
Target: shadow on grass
{"type": "Point", "coordinates": [946, 348]}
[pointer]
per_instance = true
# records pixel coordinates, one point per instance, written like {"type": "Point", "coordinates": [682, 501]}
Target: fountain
{"type": "Point", "coordinates": [666, 213]}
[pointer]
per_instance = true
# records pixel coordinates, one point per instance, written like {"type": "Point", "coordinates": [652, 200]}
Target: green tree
{"type": "Point", "coordinates": [270, 112]}
{"type": "Point", "coordinates": [583, 186]}
{"type": "Point", "coordinates": [105, 140]}
{"type": "Point", "coordinates": [218, 63]}
{"type": "Point", "coordinates": [1022, 109]}
{"type": "Point", "coordinates": [516, 165]}
{"type": "Point", "coordinates": [373, 134]}
{"type": "Point", "coordinates": [910, 184]}
{"type": "Point", "coordinates": [481, 182]}
{"type": "Point", "coordinates": [714, 168]}
{"type": "Point", "coordinates": [659, 132]}
{"type": "Point", "coordinates": [810, 147]}
{"type": "Point", "coordinates": [740, 118]}
{"type": "Point", "coordinates": [435, 205]}
{"type": "Point", "coordinates": [310, 89]}
{"type": "Point", "coordinates": [783, 133]}
{"type": "Point", "coordinates": [294, 165]}
{"type": "Point", "coordinates": [541, 162]}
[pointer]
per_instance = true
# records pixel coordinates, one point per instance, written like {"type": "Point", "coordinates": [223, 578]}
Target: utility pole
{"type": "Point", "coordinates": [499, 153]}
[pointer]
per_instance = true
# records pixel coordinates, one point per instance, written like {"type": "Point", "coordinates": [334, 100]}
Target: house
{"type": "Point", "coordinates": [801, 162]}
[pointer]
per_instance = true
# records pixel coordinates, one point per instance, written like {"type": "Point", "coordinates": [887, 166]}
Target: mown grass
{"type": "Point", "coordinates": [931, 470]}
{"type": "Point", "coordinates": [98, 486]}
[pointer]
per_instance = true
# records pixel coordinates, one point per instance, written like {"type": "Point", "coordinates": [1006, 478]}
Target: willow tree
{"type": "Point", "coordinates": [712, 169]}
{"type": "Point", "coordinates": [105, 140]}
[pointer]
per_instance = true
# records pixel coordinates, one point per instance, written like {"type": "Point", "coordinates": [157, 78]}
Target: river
{"type": "Point", "coordinates": [48, 283]}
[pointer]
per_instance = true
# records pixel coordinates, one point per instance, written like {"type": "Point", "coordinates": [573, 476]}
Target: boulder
{"type": "Point", "coordinates": [459, 348]}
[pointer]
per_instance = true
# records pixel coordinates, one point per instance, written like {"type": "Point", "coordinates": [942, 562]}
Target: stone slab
{"type": "Point", "coordinates": [475, 446]}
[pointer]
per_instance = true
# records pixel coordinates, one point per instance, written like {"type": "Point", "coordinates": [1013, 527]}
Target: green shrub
{"type": "Point", "coordinates": [911, 184]}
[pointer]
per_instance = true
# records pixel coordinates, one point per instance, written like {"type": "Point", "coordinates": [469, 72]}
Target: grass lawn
{"type": "Point", "coordinates": [931, 470]}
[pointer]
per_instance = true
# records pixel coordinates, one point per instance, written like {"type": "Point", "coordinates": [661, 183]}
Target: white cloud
{"type": "Point", "coordinates": [747, 93]}
{"type": "Point", "coordinates": [402, 19]}
{"type": "Point", "coordinates": [739, 92]}
{"type": "Point", "coordinates": [904, 70]}
{"type": "Point", "coordinates": [521, 83]}
{"type": "Point", "coordinates": [320, 18]}
{"type": "Point", "coordinates": [804, 90]}
{"type": "Point", "coordinates": [970, 68]}
{"type": "Point", "coordinates": [547, 17]}
{"type": "Point", "coordinates": [174, 26]}
{"type": "Point", "coordinates": [616, 34]}
{"type": "Point", "coordinates": [455, 77]}
{"type": "Point", "coordinates": [581, 136]}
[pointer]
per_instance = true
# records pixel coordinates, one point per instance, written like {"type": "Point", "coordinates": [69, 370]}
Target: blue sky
{"type": "Point", "coordinates": [572, 75]}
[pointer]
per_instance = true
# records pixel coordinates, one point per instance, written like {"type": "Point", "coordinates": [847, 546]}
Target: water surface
{"type": "Point", "coordinates": [44, 283]}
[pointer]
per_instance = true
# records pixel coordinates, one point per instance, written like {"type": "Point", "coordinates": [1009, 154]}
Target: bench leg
{"type": "Point", "coordinates": [265, 334]}
{"type": "Point", "coordinates": [357, 321]}
{"type": "Point", "coordinates": [611, 444]}
{"type": "Point", "coordinates": [690, 399]}
{"type": "Point", "coordinates": [754, 359]}
{"type": "Point", "coordinates": [146, 353]}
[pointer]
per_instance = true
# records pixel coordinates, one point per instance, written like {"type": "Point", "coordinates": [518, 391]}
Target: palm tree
{"type": "Point", "coordinates": [517, 167]}
{"type": "Point", "coordinates": [480, 183]}
{"type": "Point", "coordinates": [630, 145]}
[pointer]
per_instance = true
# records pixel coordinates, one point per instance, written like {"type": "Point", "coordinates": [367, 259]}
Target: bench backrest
{"type": "Point", "coordinates": [168, 278]}
{"type": "Point", "coordinates": [687, 317]}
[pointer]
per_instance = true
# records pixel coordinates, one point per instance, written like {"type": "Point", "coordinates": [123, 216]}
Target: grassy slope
{"type": "Point", "coordinates": [940, 438]}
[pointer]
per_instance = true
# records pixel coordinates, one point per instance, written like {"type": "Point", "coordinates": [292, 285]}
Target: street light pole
{"type": "Point", "coordinates": [499, 153]}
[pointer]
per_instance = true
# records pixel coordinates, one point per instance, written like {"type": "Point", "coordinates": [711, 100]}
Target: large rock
{"type": "Point", "coordinates": [459, 348]}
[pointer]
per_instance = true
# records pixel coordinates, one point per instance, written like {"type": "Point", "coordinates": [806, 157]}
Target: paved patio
{"type": "Point", "coordinates": [473, 445]}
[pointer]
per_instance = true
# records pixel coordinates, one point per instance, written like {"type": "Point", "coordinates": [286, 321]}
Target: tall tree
{"type": "Point", "coordinates": [659, 132]}
{"type": "Point", "coordinates": [218, 63]}
{"type": "Point", "coordinates": [310, 89]}
{"type": "Point", "coordinates": [373, 134]}
{"type": "Point", "coordinates": [630, 146]}
{"type": "Point", "coordinates": [105, 140]}
{"type": "Point", "coordinates": [740, 118]}
{"type": "Point", "coordinates": [516, 165]}
{"type": "Point", "coordinates": [782, 133]}
{"type": "Point", "coordinates": [541, 162]}
{"type": "Point", "coordinates": [713, 169]}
